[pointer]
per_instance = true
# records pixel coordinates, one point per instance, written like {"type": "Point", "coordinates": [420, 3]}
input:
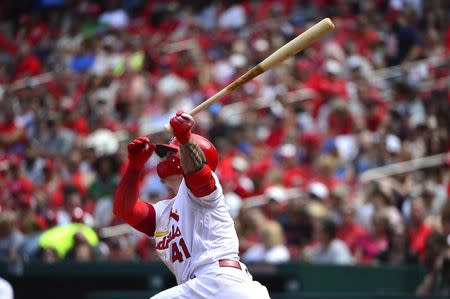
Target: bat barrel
{"type": "Point", "coordinates": [299, 43]}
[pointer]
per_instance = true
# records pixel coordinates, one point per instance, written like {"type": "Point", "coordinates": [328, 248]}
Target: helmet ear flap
{"type": "Point", "coordinates": [170, 166]}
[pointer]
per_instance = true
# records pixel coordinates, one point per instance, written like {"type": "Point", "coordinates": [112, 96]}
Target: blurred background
{"type": "Point", "coordinates": [335, 164]}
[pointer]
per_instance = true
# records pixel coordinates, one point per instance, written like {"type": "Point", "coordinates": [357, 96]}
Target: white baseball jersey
{"type": "Point", "coordinates": [192, 232]}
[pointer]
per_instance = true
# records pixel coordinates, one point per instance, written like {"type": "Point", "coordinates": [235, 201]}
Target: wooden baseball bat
{"type": "Point", "coordinates": [299, 43]}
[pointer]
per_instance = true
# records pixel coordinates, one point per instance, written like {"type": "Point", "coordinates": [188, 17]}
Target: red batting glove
{"type": "Point", "coordinates": [139, 151]}
{"type": "Point", "coordinates": [182, 124]}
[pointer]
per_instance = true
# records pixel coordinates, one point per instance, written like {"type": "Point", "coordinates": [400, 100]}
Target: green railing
{"type": "Point", "coordinates": [141, 280]}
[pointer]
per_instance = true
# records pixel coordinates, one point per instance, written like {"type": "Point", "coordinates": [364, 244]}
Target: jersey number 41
{"type": "Point", "coordinates": [177, 255]}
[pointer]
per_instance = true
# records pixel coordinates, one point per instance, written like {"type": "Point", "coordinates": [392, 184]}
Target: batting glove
{"type": "Point", "coordinates": [139, 151]}
{"type": "Point", "coordinates": [182, 125]}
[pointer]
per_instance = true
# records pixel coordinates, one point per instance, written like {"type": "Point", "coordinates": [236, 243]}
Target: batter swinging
{"type": "Point", "coordinates": [194, 233]}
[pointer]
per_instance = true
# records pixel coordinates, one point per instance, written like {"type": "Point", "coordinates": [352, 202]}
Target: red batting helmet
{"type": "Point", "coordinates": [172, 165]}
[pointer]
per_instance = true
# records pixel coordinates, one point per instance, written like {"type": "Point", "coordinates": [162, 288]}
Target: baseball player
{"type": "Point", "coordinates": [194, 233]}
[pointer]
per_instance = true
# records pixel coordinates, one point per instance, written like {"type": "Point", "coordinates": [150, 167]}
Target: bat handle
{"type": "Point", "coordinates": [204, 105]}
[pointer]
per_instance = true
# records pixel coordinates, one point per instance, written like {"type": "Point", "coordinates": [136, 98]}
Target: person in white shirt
{"type": "Point", "coordinates": [329, 249]}
{"type": "Point", "coordinates": [271, 250]}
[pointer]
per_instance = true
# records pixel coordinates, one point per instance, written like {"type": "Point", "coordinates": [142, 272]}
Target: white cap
{"type": "Point", "coordinates": [333, 67]}
{"type": "Point", "coordinates": [318, 189]}
{"type": "Point", "coordinates": [288, 150]}
{"type": "Point", "coordinates": [223, 71]}
{"type": "Point", "coordinates": [393, 144]}
{"type": "Point", "coordinates": [239, 163]}
{"type": "Point", "coordinates": [277, 193]}
{"type": "Point", "coordinates": [234, 203]}
{"type": "Point", "coordinates": [103, 141]}
{"type": "Point", "coordinates": [261, 45]}
{"type": "Point", "coordinates": [353, 62]}
{"type": "Point", "coordinates": [238, 60]}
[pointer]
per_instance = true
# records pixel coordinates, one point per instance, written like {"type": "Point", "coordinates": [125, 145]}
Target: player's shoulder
{"type": "Point", "coordinates": [162, 205]}
{"type": "Point", "coordinates": [163, 202]}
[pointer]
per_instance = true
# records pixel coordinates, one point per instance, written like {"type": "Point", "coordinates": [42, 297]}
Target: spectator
{"type": "Point", "coordinates": [249, 225]}
{"type": "Point", "coordinates": [81, 250]}
{"type": "Point", "coordinates": [382, 202]}
{"type": "Point", "coordinates": [398, 251]}
{"type": "Point", "coordinates": [418, 230]}
{"type": "Point", "coordinates": [437, 281]}
{"type": "Point", "coordinates": [318, 191]}
{"type": "Point", "coordinates": [325, 172]}
{"type": "Point", "coordinates": [27, 64]}
{"type": "Point", "coordinates": [106, 178]}
{"type": "Point", "coordinates": [434, 198]}
{"type": "Point", "coordinates": [73, 209]}
{"type": "Point", "coordinates": [232, 17]}
{"type": "Point", "coordinates": [120, 249]}
{"type": "Point", "coordinates": [329, 249]}
{"type": "Point", "coordinates": [405, 43]}
{"type": "Point", "coordinates": [12, 134]}
{"type": "Point", "coordinates": [115, 16]}
{"type": "Point", "coordinates": [277, 202]}
{"type": "Point", "coordinates": [30, 221]}
{"type": "Point", "coordinates": [374, 242]}
{"type": "Point", "coordinates": [295, 175]}
{"type": "Point", "coordinates": [348, 230]}
{"type": "Point", "coordinates": [54, 139]}
{"type": "Point", "coordinates": [52, 183]}
{"type": "Point", "coordinates": [19, 185]}
{"type": "Point", "coordinates": [48, 255]}
{"type": "Point", "coordinates": [244, 185]}
{"type": "Point", "coordinates": [379, 199]}
{"type": "Point", "coordinates": [272, 249]}
{"type": "Point", "coordinates": [298, 227]}
{"type": "Point", "coordinates": [10, 236]}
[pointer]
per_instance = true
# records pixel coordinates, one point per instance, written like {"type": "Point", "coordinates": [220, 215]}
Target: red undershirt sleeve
{"type": "Point", "coordinates": [128, 207]}
{"type": "Point", "coordinates": [201, 183]}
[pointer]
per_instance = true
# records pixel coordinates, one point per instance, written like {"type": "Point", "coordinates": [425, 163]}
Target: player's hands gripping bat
{"type": "Point", "coordinates": [182, 125]}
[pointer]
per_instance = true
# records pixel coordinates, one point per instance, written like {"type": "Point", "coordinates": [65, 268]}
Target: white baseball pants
{"type": "Point", "coordinates": [218, 283]}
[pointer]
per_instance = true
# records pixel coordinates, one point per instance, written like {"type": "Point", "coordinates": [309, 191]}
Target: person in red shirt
{"type": "Point", "coordinates": [277, 133]}
{"type": "Point", "coordinates": [418, 230]}
{"type": "Point", "coordinates": [30, 220]}
{"type": "Point", "coordinates": [333, 85]}
{"type": "Point", "coordinates": [27, 64]}
{"type": "Point", "coordinates": [19, 184]}
{"type": "Point", "coordinates": [76, 121]}
{"type": "Point", "coordinates": [324, 171]}
{"type": "Point", "coordinates": [375, 115]}
{"type": "Point", "coordinates": [310, 143]}
{"type": "Point", "coordinates": [369, 246]}
{"type": "Point", "coordinates": [12, 135]}
{"type": "Point", "coordinates": [52, 184]}
{"type": "Point", "coordinates": [340, 120]}
{"type": "Point", "coordinates": [294, 175]}
{"type": "Point", "coordinates": [348, 230]}
{"type": "Point", "coordinates": [13, 183]}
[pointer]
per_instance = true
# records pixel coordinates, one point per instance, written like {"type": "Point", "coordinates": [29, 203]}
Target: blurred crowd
{"type": "Point", "coordinates": [80, 79]}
